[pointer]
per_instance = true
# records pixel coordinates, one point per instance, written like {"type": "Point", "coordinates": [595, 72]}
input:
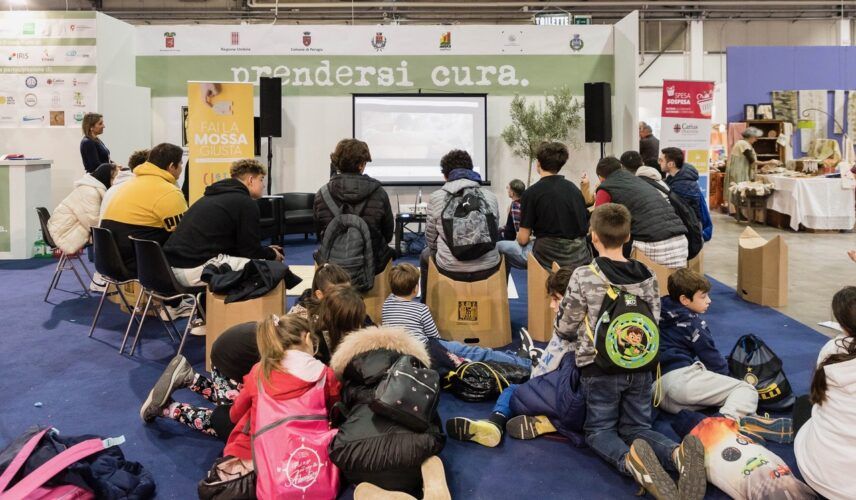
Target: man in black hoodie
{"type": "Point", "coordinates": [349, 188]}
{"type": "Point", "coordinates": [222, 226]}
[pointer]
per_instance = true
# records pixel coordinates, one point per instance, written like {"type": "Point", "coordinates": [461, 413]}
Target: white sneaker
{"type": "Point", "coordinates": [180, 311]}
{"type": "Point", "coordinates": [97, 284]}
{"type": "Point", "coordinates": [198, 331]}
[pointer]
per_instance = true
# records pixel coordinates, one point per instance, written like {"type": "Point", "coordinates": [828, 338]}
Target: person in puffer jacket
{"type": "Point", "coordinates": [551, 402]}
{"type": "Point", "coordinates": [682, 178]}
{"type": "Point", "coordinates": [70, 223]}
{"type": "Point", "coordinates": [349, 188]}
{"type": "Point", "coordinates": [370, 447]}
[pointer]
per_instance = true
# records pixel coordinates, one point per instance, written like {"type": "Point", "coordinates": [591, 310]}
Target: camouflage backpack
{"type": "Point", "coordinates": [469, 227]}
{"type": "Point", "coordinates": [626, 336]}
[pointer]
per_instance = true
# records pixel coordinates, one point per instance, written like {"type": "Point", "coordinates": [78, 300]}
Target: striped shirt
{"type": "Point", "coordinates": [412, 316]}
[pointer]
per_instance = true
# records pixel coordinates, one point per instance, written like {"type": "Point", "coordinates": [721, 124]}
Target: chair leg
{"type": "Point", "coordinates": [131, 321]}
{"type": "Point", "coordinates": [73, 268]}
{"type": "Point", "coordinates": [100, 305]}
{"type": "Point", "coordinates": [125, 301]}
{"type": "Point", "coordinates": [60, 265]}
{"type": "Point", "coordinates": [160, 308]}
{"type": "Point", "coordinates": [140, 327]}
{"type": "Point", "coordinates": [85, 267]}
{"type": "Point", "coordinates": [188, 326]}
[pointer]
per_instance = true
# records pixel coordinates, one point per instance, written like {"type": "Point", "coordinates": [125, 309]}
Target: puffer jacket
{"type": "Point", "coordinates": [72, 219]}
{"type": "Point", "coordinates": [351, 190]}
{"type": "Point", "coordinates": [436, 238]}
{"type": "Point", "coordinates": [370, 447]}
{"type": "Point", "coordinates": [652, 216]}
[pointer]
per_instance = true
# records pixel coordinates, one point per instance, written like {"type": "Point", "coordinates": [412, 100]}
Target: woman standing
{"type": "Point", "coordinates": [741, 161]}
{"type": "Point", "coordinates": [92, 150]}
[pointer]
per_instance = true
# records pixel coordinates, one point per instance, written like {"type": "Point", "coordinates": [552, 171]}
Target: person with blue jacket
{"type": "Point", "coordinates": [682, 178]}
{"type": "Point", "coordinates": [695, 374]}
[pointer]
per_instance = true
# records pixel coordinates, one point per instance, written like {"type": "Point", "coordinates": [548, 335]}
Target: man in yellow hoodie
{"type": "Point", "coordinates": [150, 205]}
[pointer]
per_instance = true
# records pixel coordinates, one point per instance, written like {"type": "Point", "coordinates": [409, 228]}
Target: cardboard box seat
{"type": "Point", "coordinates": [380, 291]}
{"type": "Point", "coordinates": [762, 269]}
{"type": "Point", "coordinates": [537, 301]}
{"type": "Point", "coordinates": [470, 312]}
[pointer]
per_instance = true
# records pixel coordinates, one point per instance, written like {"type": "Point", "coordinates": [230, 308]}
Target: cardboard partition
{"type": "Point", "coordinates": [380, 291]}
{"type": "Point", "coordinates": [470, 312]}
{"type": "Point", "coordinates": [762, 269]}
{"type": "Point", "coordinates": [220, 316]}
{"type": "Point", "coordinates": [538, 302]}
{"type": "Point", "coordinates": [662, 272]}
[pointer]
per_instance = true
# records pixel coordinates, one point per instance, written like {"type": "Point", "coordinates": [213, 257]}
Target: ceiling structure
{"type": "Point", "coordinates": [439, 11]}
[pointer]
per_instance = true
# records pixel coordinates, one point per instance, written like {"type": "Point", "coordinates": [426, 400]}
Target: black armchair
{"type": "Point", "coordinates": [271, 223]}
{"type": "Point", "coordinates": [297, 213]}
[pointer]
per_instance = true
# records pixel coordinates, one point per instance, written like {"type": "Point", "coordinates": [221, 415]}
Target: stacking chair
{"type": "Point", "coordinates": [66, 262]}
{"type": "Point", "coordinates": [111, 267]}
{"type": "Point", "coordinates": [158, 282]}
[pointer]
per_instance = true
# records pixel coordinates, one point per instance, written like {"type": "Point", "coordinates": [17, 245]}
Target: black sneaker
{"type": "Point", "coordinates": [529, 427]}
{"type": "Point", "coordinates": [178, 374]}
{"type": "Point", "coordinates": [483, 432]}
{"type": "Point", "coordinates": [689, 460]}
{"type": "Point", "coordinates": [642, 464]}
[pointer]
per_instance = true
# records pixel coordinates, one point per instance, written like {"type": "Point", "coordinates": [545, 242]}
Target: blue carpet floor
{"type": "Point", "coordinates": [52, 374]}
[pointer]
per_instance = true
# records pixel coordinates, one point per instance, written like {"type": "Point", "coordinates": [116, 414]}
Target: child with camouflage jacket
{"type": "Point", "coordinates": [619, 406]}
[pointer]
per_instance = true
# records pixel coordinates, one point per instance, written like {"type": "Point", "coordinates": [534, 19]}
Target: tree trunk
{"type": "Point", "coordinates": [529, 174]}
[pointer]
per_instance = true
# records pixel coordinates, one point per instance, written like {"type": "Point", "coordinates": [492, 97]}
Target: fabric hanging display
{"type": "Point", "coordinates": [851, 112]}
{"type": "Point", "coordinates": [812, 99]}
{"type": "Point", "coordinates": [838, 112]}
{"type": "Point", "coordinates": [785, 105]}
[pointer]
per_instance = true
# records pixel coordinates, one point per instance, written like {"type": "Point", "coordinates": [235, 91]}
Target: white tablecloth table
{"type": "Point", "coordinates": [814, 202]}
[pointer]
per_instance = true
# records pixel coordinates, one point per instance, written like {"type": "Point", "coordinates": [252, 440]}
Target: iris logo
{"type": "Point", "coordinates": [19, 56]}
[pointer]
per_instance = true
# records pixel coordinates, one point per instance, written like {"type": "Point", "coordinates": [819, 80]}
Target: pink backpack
{"type": "Point", "coordinates": [290, 446]}
{"type": "Point", "coordinates": [32, 486]}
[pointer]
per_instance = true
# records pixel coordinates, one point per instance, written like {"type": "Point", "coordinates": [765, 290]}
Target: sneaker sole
{"type": "Point", "coordinates": [756, 428]}
{"type": "Point", "coordinates": [654, 476]}
{"type": "Point", "coordinates": [692, 484]}
{"type": "Point", "coordinates": [464, 429]}
{"type": "Point", "coordinates": [528, 427]}
{"type": "Point", "coordinates": [163, 385]}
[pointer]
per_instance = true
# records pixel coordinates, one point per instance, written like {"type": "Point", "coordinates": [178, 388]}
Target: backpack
{"type": "Point", "coordinates": [483, 380]}
{"type": "Point", "coordinates": [347, 242]}
{"type": "Point", "coordinates": [408, 394]}
{"type": "Point", "coordinates": [626, 336]}
{"type": "Point", "coordinates": [48, 466]}
{"type": "Point", "coordinates": [752, 361]}
{"type": "Point", "coordinates": [469, 228]}
{"type": "Point", "coordinates": [695, 236]}
{"type": "Point", "coordinates": [290, 446]}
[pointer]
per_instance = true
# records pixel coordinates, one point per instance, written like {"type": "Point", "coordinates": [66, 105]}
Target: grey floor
{"type": "Point", "coordinates": [818, 266]}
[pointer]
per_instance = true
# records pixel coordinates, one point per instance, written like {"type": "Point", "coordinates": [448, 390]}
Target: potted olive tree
{"type": "Point", "coordinates": [531, 124]}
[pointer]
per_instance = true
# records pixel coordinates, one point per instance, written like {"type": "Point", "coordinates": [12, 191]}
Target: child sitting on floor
{"type": "Point", "coordinates": [326, 276]}
{"type": "Point", "coordinates": [545, 404]}
{"type": "Point", "coordinates": [695, 373]}
{"type": "Point", "coordinates": [616, 381]}
{"type": "Point", "coordinates": [399, 309]}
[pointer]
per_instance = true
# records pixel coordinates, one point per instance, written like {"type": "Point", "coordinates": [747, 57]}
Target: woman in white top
{"type": "Point", "coordinates": [825, 446]}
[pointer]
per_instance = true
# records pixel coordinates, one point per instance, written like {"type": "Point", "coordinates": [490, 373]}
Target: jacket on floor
{"type": "Point", "coordinates": [685, 184]}
{"type": "Point", "coordinates": [652, 216]}
{"type": "Point", "coordinates": [557, 396]}
{"type": "Point", "coordinates": [685, 338]}
{"type": "Point", "coordinates": [350, 190]}
{"type": "Point", "coordinates": [72, 219]}
{"type": "Point", "coordinates": [829, 432]}
{"type": "Point", "coordinates": [435, 237]}
{"type": "Point", "coordinates": [224, 221]}
{"type": "Point", "coordinates": [370, 447]}
{"type": "Point", "coordinates": [148, 206]}
{"type": "Point", "coordinates": [283, 385]}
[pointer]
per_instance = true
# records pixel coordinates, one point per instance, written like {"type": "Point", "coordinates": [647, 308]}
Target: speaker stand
{"type": "Point", "coordinates": [270, 163]}
{"type": "Point", "coordinates": [602, 150]}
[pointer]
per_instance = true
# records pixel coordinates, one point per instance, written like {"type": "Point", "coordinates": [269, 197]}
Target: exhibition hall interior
{"type": "Point", "coordinates": [428, 250]}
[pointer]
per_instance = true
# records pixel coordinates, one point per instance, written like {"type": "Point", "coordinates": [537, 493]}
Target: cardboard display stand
{"type": "Point", "coordinates": [470, 312]}
{"type": "Point", "coordinates": [220, 316]}
{"type": "Point", "coordinates": [762, 269]}
{"type": "Point", "coordinates": [380, 291]}
{"type": "Point", "coordinates": [538, 302]}
{"type": "Point", "coordinates": [662, 272]}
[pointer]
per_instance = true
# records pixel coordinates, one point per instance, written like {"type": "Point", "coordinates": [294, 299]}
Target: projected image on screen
{"type": "Point", "coordinates": [407, 135]}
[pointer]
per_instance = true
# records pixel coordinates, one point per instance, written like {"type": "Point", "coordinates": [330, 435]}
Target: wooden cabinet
{"type": "Point", "coordinates": [767, 147]}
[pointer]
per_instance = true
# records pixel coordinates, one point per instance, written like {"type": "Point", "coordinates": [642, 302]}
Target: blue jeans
{"type": "Point", "coordinates": [503, 402]}
{"type": "Point", "coordinates": [619, 411]}
{"type": "Point", "coordinates": [515, 255]}
{"type": "Point", "coordinates": [476, 353]}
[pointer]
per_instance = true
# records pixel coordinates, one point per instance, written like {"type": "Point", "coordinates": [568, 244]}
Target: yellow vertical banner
{"type": "Point", "coordinates": [219, 131]}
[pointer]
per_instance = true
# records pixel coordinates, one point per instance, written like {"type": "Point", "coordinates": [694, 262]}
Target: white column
{"type": "Point", "coordinates": [844, 32]}
{"type": "Point", "coordinates": [696, 65]}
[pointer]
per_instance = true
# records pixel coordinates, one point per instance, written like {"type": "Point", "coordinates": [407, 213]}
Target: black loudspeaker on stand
{"type": "Point", "coordinates": [270, 119]}
{"type": "Point", "coordinates": [598, 108]}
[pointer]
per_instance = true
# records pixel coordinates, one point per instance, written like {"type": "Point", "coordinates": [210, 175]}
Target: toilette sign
{"type": "Point", "coordinates": [687, 108]}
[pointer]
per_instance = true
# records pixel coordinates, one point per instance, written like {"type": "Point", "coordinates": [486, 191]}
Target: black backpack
{"type": "Point", "coordinates": [695, 237]}
{"type": "Point", "coordinates": [347, 242]}
{"type": "Point", "coordinates": [469, 226]}
{"type": "Point", "coordinates": [754, 362]}
{"type": "Point", "coordinates": [626, 336]}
